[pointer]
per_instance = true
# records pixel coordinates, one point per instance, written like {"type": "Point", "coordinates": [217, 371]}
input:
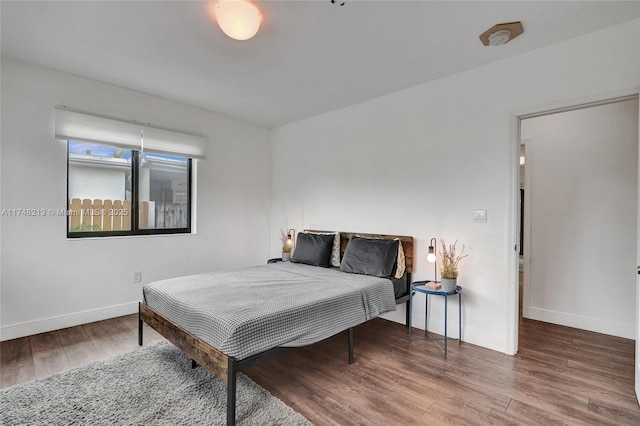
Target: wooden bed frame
{"type": "Point", "coordinates": [226, 367]}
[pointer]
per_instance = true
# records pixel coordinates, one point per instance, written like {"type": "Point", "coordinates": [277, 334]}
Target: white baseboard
{"type": "Point", "coordinates": [30, 328]}
{"type": "Point", "coordinates": [469, 335]}
{"type": "Point", "coordinates": [583, 323]}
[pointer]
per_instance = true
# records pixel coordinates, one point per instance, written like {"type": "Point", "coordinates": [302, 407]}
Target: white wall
{"type": "Point", "coordinates": [48, 281]}
{"type": "Point", "coordinates": [583, 168]}
{"type": "Point", "coordinates": [417, 162]}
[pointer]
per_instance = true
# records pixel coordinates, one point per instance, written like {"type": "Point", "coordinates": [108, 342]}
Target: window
{"type": "Point", "coordinates": [124, 178]}
{"type": "Point", "coordinates": [98, 188]}
{"type": "Point", "coordinates": [106, 183]}
{"type": "Point", "coordinates": [163, 191]}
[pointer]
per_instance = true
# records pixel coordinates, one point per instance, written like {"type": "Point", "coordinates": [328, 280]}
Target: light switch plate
{"type": "Point", "coordinates": [479, 216]}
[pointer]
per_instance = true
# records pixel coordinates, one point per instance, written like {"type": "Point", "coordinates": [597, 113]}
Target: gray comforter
{"type": "Point", "coordinates": [246, 311]}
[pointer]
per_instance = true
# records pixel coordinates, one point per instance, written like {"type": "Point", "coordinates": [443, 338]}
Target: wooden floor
{"type": "Point", "coordinates": [44, 354]}
{"type": "Point", "coordinates": [560, 375]}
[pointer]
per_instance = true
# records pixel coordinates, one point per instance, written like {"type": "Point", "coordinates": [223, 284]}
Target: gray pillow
{"type": "Point", "coordinates": [370, 256]}
{"type": "Point", "coordinates": [313, 249]}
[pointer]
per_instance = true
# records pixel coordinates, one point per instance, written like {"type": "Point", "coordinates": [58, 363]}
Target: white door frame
{"type": "Point", "coordinates": [526, 276]}
{"type": "Point", "coordinates": [637, 360]}
{"type": "Point", "coordinates": [512, 296]}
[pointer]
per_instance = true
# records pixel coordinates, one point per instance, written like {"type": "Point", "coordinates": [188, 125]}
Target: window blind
{"type": "Point", "coordinates": [170, 142]}
{"type": "Point", "coordinates": [81, 126]}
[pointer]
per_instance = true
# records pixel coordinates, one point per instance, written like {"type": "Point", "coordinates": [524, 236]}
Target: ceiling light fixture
{"type": "Point", "coordinates": [501, 33]}
{"type": "Point", "coordinates": [499, 37]}
{"type": "Point", "coordinates": [239, 19]}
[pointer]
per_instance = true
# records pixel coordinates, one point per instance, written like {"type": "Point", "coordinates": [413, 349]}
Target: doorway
{"type": "Point", "coordinates": [579, 216]}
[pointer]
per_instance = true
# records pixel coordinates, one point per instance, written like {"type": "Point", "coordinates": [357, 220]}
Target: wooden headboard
{"type": "Point", "coordinates": [407, 243]}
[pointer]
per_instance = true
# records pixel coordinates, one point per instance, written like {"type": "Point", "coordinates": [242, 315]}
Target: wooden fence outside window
{"type": "Point", "coordinates": [99, 215]}
{"type": "Point", "coordinates": [115, 215]}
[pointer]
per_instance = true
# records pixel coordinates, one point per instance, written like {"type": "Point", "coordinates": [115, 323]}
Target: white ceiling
{"type": "Point", "coordinates": [309, 57]}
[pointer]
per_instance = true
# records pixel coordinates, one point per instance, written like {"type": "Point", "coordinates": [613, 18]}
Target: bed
{"type": "Point", "coordinates": [227, 321]}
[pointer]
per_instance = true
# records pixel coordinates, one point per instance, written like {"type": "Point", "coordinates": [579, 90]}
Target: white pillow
{"type": "Point", "coordinates": [401, 261]}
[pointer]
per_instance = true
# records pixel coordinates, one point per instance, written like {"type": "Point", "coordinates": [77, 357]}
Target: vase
{"type": "Point", "coordinates": [449, 284]}
{"type": "Point", "coordinates": [286, 256]}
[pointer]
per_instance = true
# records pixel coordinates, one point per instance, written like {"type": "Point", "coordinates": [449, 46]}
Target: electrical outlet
{"type": "Point", "coordinates": [479, 216]}
{"type": "Point", "coordinates": [137, 276]}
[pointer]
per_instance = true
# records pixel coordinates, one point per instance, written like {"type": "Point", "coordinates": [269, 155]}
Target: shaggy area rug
{"type": "Point", "coordinates": [150, 386]}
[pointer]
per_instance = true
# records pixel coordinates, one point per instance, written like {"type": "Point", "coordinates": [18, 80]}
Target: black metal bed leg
{"type": "Point", "coordinates": [407, 319]}
{"type": "Point", "coordinates": [350, 343]}
{"type": "Point", "coordinates": [231, 392]}
{"type": "Point", "coordinates": [140, 326]}
{"type": "Point", "coordinates": [407, 313]}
